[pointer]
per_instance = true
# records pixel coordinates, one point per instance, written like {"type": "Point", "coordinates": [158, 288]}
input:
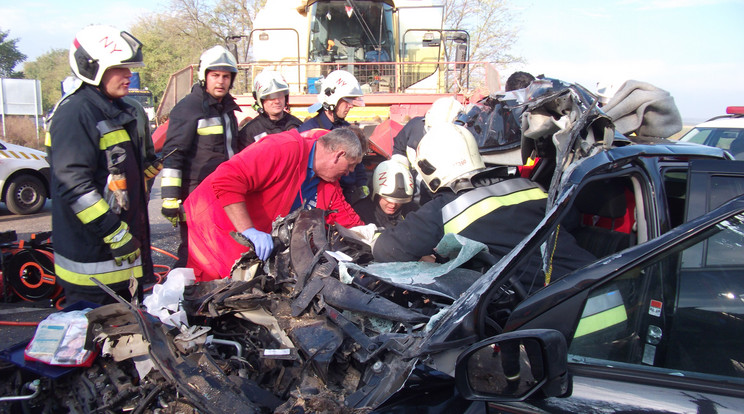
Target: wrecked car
{"type": "Point", "coordinates": [322, 328]}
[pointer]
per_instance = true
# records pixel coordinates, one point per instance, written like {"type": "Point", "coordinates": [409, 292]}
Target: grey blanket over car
{"type": "Point", "coordinates": [641, 108]}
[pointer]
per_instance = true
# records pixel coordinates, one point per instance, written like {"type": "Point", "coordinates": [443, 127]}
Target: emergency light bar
{"type": "Point", "coordinates": [735, 110]}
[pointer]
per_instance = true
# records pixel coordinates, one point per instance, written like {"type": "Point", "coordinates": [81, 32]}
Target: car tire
{"type": "Point", "coordinates": [25, 195]}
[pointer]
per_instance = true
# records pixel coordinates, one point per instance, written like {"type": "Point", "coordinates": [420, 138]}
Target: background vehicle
{"type": "Point", "coordinates": [399, 51]}
{"type": "Point", "coordinates": [24, 178]}
{"type": "Point", "coordinates": [726, 132]}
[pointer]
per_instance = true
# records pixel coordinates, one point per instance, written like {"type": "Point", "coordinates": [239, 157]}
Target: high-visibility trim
{"type": "Point", "coordinates": [89, 207]}
{"type": "Point", "coordinates": [483, 207]}
{"type": "Point", "coordinates": [170, 177]}
{"type": "Point", "coordinates": [19, 155]}
{"type": "Point", "coordinates": [111, 134]}
{"type": "Point", "coordinates": [498, 189]}
{"type": "Point", "coordinates": [47, 139]}
{"type": "Point", "coordinates": [600, 312]}
{"type": "Point", "coordinates": [106, 272]}
{"type": "Point", "coordinates": [113, 138]}
{"type": "Point", "coordinates": [601, 320]}
{"type": "Point", "coordinates": [210, 126]}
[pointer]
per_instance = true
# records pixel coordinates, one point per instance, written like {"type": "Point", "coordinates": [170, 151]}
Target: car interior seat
{"type": "Point", "coordinates": [607, 217]}
{"type": "Point", "coordinates": [737, 147]}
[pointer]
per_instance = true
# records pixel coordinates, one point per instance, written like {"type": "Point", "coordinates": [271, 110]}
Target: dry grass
{"type": "Point", "coordinates": [21, 130]}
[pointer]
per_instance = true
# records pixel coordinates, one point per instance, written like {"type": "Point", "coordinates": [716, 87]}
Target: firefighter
{"type": "Point", "coordinates": [339, 93]}
{"type": "Point", "coordinates": [99, 215]}
{"type": "Point", "coordinates": [271, 178]}
{"type": "Point", "coordinates": [443, 110]}
{"type": "Point", "coordinates": [271, 93]}
{"type": "Point", "coordinates": [479, 203]}
{"type": "Point", "coordinates": [392, 193]}
{"type": "Point", "coordinates": [203, 129]}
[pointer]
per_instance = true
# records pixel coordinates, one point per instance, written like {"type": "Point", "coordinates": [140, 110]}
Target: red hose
{"type": "Point", "coordinates": [11, 323]}
{"type": "Point", "coordinates": [161, 251]}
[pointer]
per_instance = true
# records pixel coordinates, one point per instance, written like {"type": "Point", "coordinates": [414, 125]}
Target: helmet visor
{"type": "Point", "coordinates": [353, 100]}
{"type": "Point", "coordinates": [275, 95]}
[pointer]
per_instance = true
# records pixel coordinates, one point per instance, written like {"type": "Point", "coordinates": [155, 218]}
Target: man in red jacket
{"type": "Point", "coordinates": [271, 178]}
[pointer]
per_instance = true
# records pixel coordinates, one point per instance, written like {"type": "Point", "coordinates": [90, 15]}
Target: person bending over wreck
{"type": "Point", "coordinates": [271, 178]}
{"type": "Point", "coordinates": [472, 201]}
{"type": "Point", "coordinates": [392, 192]}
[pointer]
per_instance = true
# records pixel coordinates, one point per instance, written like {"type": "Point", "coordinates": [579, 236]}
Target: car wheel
{"type": "Point", "coordinates": [26, 195]}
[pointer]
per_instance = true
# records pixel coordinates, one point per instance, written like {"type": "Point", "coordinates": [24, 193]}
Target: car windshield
{"type": "Point", "coordinates": [714, 137]}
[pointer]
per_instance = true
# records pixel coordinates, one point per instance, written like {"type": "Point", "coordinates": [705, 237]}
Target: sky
{"type": "Point", "coordinates": [693, 49]}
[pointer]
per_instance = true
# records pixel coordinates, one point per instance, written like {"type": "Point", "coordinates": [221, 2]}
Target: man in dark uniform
{"type": "Point", "coordinates": [204, 130]}
{"type": "Point", "coordinates": [271, 93]}
{"type": "Point", "coordinates": [99, 216]}
{"type": "Point", "coordinates": [474, 202]}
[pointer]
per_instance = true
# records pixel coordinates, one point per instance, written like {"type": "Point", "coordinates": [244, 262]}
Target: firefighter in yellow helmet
{"type": "Point", "coordinates": [99, 215]}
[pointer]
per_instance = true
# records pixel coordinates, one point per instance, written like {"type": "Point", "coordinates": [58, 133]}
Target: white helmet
{"type": "Point", "coordinates": [393, 181]}
{"type": "Point", "coordinates": [337, 85]}
{"type": "Point", "coordinates": [97, 48]}
{"type": "Point", "coordinates": [217, 58]}
{"type": "Point", "coordinates": [448, 156]}
{"type": "Point", "coordinates": [443, 110]}
{"type": "Point", "coordinates": [267, 83]}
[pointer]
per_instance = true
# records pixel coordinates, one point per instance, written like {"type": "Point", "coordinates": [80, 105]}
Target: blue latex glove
{"type": "Point", "coordinates": [262, 242]}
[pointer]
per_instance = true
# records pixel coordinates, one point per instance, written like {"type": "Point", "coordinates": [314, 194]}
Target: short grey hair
{"type": "Point", "coordinates": [345, 139]}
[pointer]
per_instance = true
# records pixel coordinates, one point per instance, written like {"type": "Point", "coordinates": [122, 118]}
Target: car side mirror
{"type": "Point", "coordinates": [512, 366]}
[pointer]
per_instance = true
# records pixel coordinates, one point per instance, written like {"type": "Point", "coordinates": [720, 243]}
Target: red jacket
{"type": "Point", "coordinates": [266, 176]}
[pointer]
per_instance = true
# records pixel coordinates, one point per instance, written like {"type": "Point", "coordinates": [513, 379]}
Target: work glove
{"type": "Point", "coordinates": [123, 245]}
{"type": "Point", "coordinates": [171, 210]}
{"type": "Point", "coordinates": [153, 169]}
{"type": "Point", "coordinates": [262, 242]}
{"type": "Point", "coordinates": [116, 194]}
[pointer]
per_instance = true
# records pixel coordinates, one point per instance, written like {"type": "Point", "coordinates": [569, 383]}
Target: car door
{"type": "Point", "coordinates": [663, 329]}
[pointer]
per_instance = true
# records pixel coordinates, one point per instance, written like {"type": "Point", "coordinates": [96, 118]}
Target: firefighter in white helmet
{"type": "Point", "coordinates": [339, 93]}
{"type": "Point", "coordinates": [475, 202]}
{"type": "Point", "coordinates": [271, 92]}
{"type": "Point", "coordinates": [444, 110]}
{"type": "Point", "coordinates": [391, 197]}
{"type": "Point", "coordinates": [99, 216]}
{"type": "Point", "coordinates": [203, 131]}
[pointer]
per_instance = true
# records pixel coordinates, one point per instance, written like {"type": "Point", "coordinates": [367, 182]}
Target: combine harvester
{"type": "Point", "coordinates": [399, 51]}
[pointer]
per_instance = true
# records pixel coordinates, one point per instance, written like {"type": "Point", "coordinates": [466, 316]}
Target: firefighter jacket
{"type": "Point", "coordinates": [262, 125]}
{"type": "Point", "coordinates": [267, 177]}
{"type": "Point", "coordinates": [409, 136]}
{"type": "Point", "coordinates": [498, 214]}
{"type": "Point", "coordinates": [85, 130]}
{"type": "Point", "coordinates": [205, 133]}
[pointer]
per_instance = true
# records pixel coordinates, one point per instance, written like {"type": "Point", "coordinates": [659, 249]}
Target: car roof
{"type": "Point", "coordinates": [626, 153]}
{"type": "Point", "coordinates": [724, 122]}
